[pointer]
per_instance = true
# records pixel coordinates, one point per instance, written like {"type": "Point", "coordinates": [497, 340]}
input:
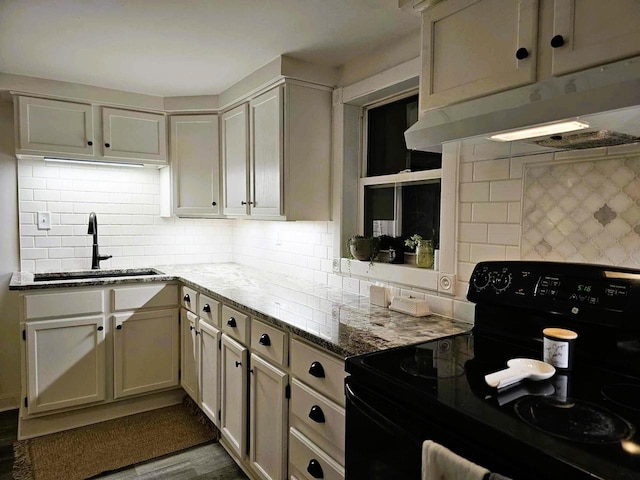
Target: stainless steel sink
{"type": "Point", "coordinates": [57, 276]}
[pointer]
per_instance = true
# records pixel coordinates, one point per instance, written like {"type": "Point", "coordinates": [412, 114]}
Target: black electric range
{"type": "Point", "coordinates": [580, 423]}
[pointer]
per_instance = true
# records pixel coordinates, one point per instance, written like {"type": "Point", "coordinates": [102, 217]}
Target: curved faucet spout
{"type": "Point", "coordinates": [93, 230]}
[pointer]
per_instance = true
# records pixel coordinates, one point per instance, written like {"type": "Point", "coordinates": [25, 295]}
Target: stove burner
{"type": "Point", "coordinates": [573, 420]}
{"type": "Point", "coordinates": [623, 394]}
{"type": "Point", "coordinates": [431, 367]}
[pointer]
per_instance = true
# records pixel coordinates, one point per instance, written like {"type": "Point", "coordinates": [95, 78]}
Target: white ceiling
{"type": "Point", "coordinates": [187, 47]}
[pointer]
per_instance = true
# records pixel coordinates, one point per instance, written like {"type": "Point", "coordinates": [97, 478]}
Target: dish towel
{"type": "Point", "coordinates": [440, 463]}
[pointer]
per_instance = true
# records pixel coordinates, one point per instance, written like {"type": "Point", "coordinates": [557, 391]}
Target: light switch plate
{"type": "Point", "coordinates": [44, 220]}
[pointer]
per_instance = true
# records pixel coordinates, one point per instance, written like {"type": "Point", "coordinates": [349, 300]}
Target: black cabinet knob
{"type": "Point", "coordinates": [119, 327]}
{"type": "Point", "coordinates": [315, 469]}
{"type": "Point", "coordinates": [206, 308]}
{"type": "Point", "coordinates": [317, 370]}
{"type": "Point", "coordinates": [557, 41]}
{"type": "Point", "coordinates": [89, 143]}
{"type": "Point", "coordinates": [100, 328]}
{"type": "Point", "coordinates": [522, 53]}
{"type": "Point", "coordinates": [238, 363]}
{"type": "Point", "coordinates": [265, 340]}
{"type": "Point", "coordinates": [316, 414]}
{"type": "Point", "coordinates": [186, 298]}
{"type": "Point", "coordinates": [232, 322]}
{"type": "Point", "coordinates": [107, 145]}
{"type": "Point", "coordinates": [197, 333]}
{"type": "Point", "coordinates": [190, 327]}
{"type": "Point", "coordinates": [213, 204]}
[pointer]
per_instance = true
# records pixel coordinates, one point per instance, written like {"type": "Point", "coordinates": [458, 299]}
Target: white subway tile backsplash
{"type": "Point", "coordinates": [504, 234]}
{"type": "Point", "coordinates": [489, 212]}
{"type": "Point", "coordinates": [474, 192]}
{"type": "Point", "coordinates": [473, 232]}
{"type": "Point", "coordinates": [491, 170]}
{"type": "Point", "coordinates": [480, 252]}
{"type": "Point", "coordinates": [506, 191]}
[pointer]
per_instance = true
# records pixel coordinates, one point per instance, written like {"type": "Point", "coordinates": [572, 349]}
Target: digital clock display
{"type": "Point", "coordinates": [582, 288]}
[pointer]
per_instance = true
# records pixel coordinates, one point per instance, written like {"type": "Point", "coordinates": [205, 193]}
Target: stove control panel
{"type": "Point", "coordinates": [556, 287]}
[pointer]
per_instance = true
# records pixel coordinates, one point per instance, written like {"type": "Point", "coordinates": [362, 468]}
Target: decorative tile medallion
{"type": "Point", "coordinates": [583, 212]}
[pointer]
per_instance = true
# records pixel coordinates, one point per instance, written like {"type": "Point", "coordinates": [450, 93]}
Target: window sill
{"type": "Point", "coordinates": [403, 274]}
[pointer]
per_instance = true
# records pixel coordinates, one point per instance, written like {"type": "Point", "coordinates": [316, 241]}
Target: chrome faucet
{"type": "Point", "coordinates": [93, 230]}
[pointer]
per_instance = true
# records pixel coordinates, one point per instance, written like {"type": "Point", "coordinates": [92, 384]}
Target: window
{"type": "Point", "coordinates": [400, 188]}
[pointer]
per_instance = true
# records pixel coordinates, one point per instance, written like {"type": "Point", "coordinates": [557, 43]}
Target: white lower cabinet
{"type": "Point", "coordinates": [209, 364]}
{"type": "Point", "coordinates": [146, 351]}
{"type": "Point", "coordinates": [267, 419]}
{"type": "Point", "coordinates": [190, 354]}
{"type": "Point", "coordinates": [65, 363]}
{"type": "Point", "coordinates": [307, 461]}
{"type": "Point", "coordinates": [233, 394]}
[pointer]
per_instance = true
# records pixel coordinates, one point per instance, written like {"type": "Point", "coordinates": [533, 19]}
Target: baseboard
{"type": "Point", "coordinates": [9, 402]}
{"type": "Point", "coordinates": [46, 424]}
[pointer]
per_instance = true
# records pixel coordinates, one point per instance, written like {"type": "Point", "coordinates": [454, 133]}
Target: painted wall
{"type": "Point", "coordinates": [9, 262]}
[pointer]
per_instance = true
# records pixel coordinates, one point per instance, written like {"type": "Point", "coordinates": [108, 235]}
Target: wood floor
{"type": "Point", "coordinates": [205, 462]}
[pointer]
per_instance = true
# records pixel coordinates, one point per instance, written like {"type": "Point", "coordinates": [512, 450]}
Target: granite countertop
{"type": "Point", "coordinates": [342, 322]}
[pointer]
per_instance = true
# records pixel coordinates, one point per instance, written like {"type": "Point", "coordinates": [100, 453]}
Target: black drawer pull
{"type": "Point", "coordinates": [522, 53]}
{"type": "Point", "coordinates": [232, 322]}
{"type": "Point", "coordinates": [119, 327]}
{"type": "Point", "coordinates": [100, 328]}
{"type": "Point", "coordinates": [316, 414]}
{"type": "Point", "coordinates": [206, 308]}
{"type": "Point", "coordinates": [186, 298]}
{"type": "Point", "coordinates": [265, 340]}
{"type": "Point", "coordinates": [317, 370]}
{"type": "Point", "coordinates": [557, 41]}
{"type": "Point", "coordinates": [314, 469]}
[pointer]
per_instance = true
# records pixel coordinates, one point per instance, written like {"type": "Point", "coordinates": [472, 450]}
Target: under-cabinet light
{"type": "Point", "coordinates": [93, 162]}
{"type": "Point", "coordinates": [540, 131]}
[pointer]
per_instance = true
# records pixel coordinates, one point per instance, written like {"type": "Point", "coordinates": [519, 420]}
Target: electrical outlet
{"type": "Point", "coordinates": [335, 265]}
{"type": "Point", "coordinates": [44, 221]}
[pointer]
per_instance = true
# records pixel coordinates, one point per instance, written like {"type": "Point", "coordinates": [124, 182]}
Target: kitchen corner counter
{"type": "Point", "coordinates": [339, 321]}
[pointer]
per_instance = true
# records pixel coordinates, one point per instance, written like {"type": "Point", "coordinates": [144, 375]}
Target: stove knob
{"type": "Point", "coordinates": [502, 281]}
{"type": "Point", "coordinates": [481, 280]}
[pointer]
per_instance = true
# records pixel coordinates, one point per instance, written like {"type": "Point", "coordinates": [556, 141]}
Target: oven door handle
{"type": "Point", "coordinates": [375, 416]}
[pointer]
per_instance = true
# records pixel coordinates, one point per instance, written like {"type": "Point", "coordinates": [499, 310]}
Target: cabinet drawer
{"type": "Point", "coordinates": [270, 342]}
{"type": "Point", "coordinates": [318, 370]}
{"type": "Point", "coordinates": [150, 296]}
{"type": "Point", "coordinates": [64, 304]}
{"type": "Point", "coordinates": [189, 299]}
{"type": "Point", "coordinates": [209, 310]}
{"type": "Point", "coordinates": [308, 462]}
{"type": "Point", "coordinates": [235, 324]}
{"type": "Point", "coordinates": [320, 419]}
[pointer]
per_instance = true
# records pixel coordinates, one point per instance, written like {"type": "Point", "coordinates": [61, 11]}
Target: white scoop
{"type": "Point", "coordinates": [519, 369]}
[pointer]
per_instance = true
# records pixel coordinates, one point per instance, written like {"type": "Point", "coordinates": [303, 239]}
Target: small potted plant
{"type": "Point", "coordinates": [423, 249]}
{"type": "Point", "coordinates": [363, 248]}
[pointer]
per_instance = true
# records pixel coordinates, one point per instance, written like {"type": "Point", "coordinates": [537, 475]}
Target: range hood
{"type": "Point", "coordinates": [606, 98]}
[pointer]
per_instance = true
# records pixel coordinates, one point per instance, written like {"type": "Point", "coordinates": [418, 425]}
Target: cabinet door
{"type": "Point", "coordinates": [469, 49]}
{"type": "Point", "coordinates": [267, 137]}
{"type": "Point", "coordinates": [233, 395]}
{"type": "Point", "coordinates": [594, 33]}
{"type": "Point", "coordinates": [235, 160]}
{"type": "Point", "coordinates": [137, 135]}
{"type": "Point", "coordinates": [268, 420]}
{"type": "Point", "coordinates": [55, 127]}
{"type": "Point", "coordinates": [146, 351]}
{"type": "Point", "coordinates": [189, 354]}
{"type": "Point", "coordinates": [209, 365]}
{"type": "Point", "coordinates": [65, 363]}
{"type": "Point", "coordinates": [195, 165]}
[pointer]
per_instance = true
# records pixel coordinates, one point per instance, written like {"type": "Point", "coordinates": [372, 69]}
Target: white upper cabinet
{"type": "Point", "coordinates": [51, 126]}
{"type": "Point", "coordinates": [587, 33]}
{"type": "Point", "coordinates": [139, 135]}
{"type": "Point", "coordinates": [472, 48]}
{"type": "Point", "coordinates": [279, 167]}
{"type": "Point", "coordinates": [266, 114]}
{"type": "Point", "coordinates": [476, 47]}
{"type": "Point", "coordinates": [235, 159]}
{"type": "Point", "coordinates": [195, 165]}
{"type": "Point", "coordinates": [73, 130]}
